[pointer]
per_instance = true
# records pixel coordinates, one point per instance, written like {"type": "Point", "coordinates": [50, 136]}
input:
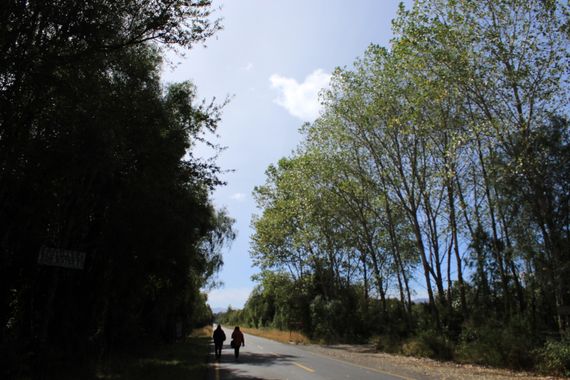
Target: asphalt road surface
{"type": "Point", "coordinates": [266, 359]}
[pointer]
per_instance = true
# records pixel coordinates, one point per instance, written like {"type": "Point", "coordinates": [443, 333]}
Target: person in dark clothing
{"type": "Point", "coordinates": [237, 341]}
{"type": "Point", "coordinates": [219, 338]}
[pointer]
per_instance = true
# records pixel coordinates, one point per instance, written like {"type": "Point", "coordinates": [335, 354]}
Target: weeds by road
{"type": "Point", "coordinates": [187, 359]}
{"type": "Point", "coordinates": [278, 335]}
{"type": "Point", "coordinates": [421, 368]}
{"type": "Point", "coordinates": [182, 360]}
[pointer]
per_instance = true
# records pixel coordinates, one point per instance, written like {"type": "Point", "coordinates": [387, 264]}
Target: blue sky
{"type": "Point", "coordinates": [272, 57]}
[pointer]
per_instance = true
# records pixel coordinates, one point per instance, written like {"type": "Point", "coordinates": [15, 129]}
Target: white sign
{"type": "Point", "coordinates": [61, 258]}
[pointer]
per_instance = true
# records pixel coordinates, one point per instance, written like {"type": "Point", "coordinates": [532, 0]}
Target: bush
{"type": "Point", "coordinates": [416, 347]}
{"type": "Point", "coordinates": [327, 318]}
{"type": "Point", "coordinates": [478, 346]}
{"type": "Point", "coordinates": [554, 358]}
{"type": "Point", "coordinates": [429, 344]}
{"type": "Point", "coordinates": [497, 345]}
{"type": "Point", "coordinates": [388, 343]}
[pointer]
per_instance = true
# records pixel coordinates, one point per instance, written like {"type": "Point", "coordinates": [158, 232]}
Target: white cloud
{"type": "Point", "coordinates": [222, 298]}
{"type": "Point", "coordinates": [248, 67]}
{"type": "Point", "coordinates": [238, 196]}
{"type": "Point", "coordinates": [301, 99]}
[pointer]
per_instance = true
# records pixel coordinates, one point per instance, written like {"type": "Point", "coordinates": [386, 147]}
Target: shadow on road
{"type": "Point", "coordinates": [257, 359]}
{"type": "Point", "coordinates": [234, 373]}
{"type": "Point", "coordinates": [246, 359]}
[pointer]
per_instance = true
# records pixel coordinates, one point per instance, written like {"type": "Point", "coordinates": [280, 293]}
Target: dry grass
{"type": "Point", "coordinates": [205, 331]}
{"type": "Point", "coordinates": [278, 335]}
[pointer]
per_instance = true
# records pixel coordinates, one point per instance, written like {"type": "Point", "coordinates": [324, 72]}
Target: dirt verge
{"type": "Point", "coordinates": [415, 368]}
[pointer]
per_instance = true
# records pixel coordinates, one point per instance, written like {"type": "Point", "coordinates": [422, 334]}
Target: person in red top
{"type": "Point", "coordinates": [237, 341]}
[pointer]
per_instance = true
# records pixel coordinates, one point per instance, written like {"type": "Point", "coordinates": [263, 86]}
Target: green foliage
{"type": "Point", "coordinates": [554, 357]}
{"type": "Point", "coordinates": [498, 345]}
{"type": "Point", "coordinates": [440, 345]}
{"type": "Point", "coordinates": [441, 160]}
{"type": "Point", "coordinates": [95, 156]}
{"type": "Point", "coordinates": [231, 317]}
{"type": "Point", "coordinates": [430, 344]}
{"type": "Point", "coordinates": [201, 312]}
{"type": "Point", "coordinates": [328, 319]}
{"type": "Point", "coordinates": [388, 343]}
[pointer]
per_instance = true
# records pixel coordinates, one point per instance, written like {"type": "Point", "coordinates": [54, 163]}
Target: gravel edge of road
{"type": "Point", "coordinates": [415, 368]}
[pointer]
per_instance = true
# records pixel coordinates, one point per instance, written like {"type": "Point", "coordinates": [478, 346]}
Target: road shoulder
{"type": "Point", "coordinates": [410, 367]}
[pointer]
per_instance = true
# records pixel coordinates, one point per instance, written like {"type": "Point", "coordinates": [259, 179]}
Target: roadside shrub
{"type": "Point", "coordinates": [280, 319]}
{"type": "Point", "coordinates": [554, 358]}
{"type": "Point", "coordinates": [497, 345]}
{"type": "Point", "coordinates": [429, 344]}
{"type": "Point", "coordinates": [478, 347]}
{"type": "Point", "coordinates": [517, 348]}
{"type": "Point", "coordinates": [388, 343]}
{"type": "Point", "coordinates": [440, 344]}
{"type": "Point", "coordinates": [417, 347]}
{"type": "Point", "coordinates": [327, 318]}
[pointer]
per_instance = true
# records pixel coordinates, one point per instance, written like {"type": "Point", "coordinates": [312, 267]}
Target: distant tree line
{"type": "Point", "coordinates": [440, 166]}
{"type": "Point", "coordinates": [96, 157]}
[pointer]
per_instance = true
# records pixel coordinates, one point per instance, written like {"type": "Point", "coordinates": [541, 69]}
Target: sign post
{"type": "Point", "coordinates": [63, 258]}
{"type": "Point", "coordinates": [294, 325]}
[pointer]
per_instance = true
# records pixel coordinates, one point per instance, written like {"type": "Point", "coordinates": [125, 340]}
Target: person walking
{"type": "Point", "coordinates": [237, 341]}
{"type": "Point", "coordinates": [219, 338]}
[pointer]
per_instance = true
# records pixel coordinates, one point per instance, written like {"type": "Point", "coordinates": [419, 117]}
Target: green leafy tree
{"type": "Point", "coordinates": [95, 156]}
{"type": "Point", "coordinates": [441, 158]}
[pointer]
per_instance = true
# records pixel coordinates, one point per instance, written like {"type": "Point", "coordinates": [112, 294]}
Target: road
{"type": "Point", "coordinates": [266, 359]}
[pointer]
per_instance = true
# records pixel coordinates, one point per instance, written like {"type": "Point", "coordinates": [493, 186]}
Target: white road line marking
{"type": "Point", "coordinates": [303, 367]}
{"type": "Point", "coordinates": [217, 370]}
